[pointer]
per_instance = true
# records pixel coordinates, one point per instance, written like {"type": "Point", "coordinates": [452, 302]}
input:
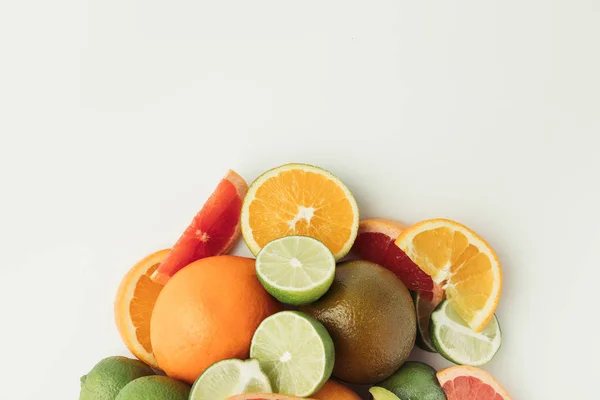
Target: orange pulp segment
{"type": "Point", "coordinates": [457, 258]}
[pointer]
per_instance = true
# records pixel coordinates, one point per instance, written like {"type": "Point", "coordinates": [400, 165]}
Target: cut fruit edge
{"type": "Point", "coordinates": [317, 331]}
{"type": "Point", "coordinates": [295, 289]}
{"type": "Point", "coordinates": [482, 316]}
{"type": "Point", "coordinates": [393, 229]}
{"type": "Point", "coordinates": [123, 299]}
{"type": "Point", "coordinates": [249, 371]}
{"type": "Point", "coordinates": [162, 274]}
{"type": "Point", "coordinates": [380, 393]}
{"type": "Point", "coordinates": [423, 322]}
{"type": "Point", "coordinates": [450, 374]}
{"type": "Point", "coordinates": [440, 318]}
{"type": "Point", "coordinates": [253, 246]}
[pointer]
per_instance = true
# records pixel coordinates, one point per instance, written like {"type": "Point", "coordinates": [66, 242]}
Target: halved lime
{"type": "Point", "coordinates": [457, 342]}
{"type": "Point", "coordinates": [295, 270]}
{"type": "Point", "coordinates": [424, 308]}
{"type": "Point", "coordinates": [230, 377]}
{"type": "Point", "coordinates": [295, 351]}
{"type": "Point", "coordinates": [380, 393]}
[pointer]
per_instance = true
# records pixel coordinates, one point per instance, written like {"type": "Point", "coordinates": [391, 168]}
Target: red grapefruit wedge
{"type": "Point", "coordinates": [375, 243]}
{"type": "Point", "coordinates": [213, 231]}
{"type": "Point", "coordinates": [470, 383]}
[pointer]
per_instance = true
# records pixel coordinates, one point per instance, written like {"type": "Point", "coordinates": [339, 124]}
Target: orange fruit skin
{"type": "Point", "coordinates": [265, 396]}
{"type": "Point", "coordinates": [333, 390]}
{"type": "Point", "coordinates": [206, 313]}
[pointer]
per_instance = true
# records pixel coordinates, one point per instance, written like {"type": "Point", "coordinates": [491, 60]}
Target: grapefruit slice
{"type": "Point", "coordinates": [470, 383]}
{"type": "Point", "coordinates": [213, 230]}
{"type": "Point", "coordinates": [134, 304]}
{"type": "Point", "coordinates": [375, 243]}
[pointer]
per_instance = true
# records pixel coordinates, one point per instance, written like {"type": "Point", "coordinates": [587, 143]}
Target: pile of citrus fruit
{"type": "Point", "coordinates": [328, 298]}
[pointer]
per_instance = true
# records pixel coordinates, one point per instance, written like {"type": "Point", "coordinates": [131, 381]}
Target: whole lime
{"type": "Point", "coordinates": [371, 318]}
{"type": "Point", "coordinates": [109, 376]}
{"type": "Point", "coordinates": [415, 380]}
{"type": "Point", "coordinates": [155, 388]}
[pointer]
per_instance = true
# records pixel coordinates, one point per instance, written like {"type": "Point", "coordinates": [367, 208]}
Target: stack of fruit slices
{"type": "Point", "coordinates": [299, 220]}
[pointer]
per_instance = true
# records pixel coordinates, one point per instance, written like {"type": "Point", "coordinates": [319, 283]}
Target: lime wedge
{"type": "Point", "coordinates": [295, 351]}
{"type": "Point", "coordinates": [230, 377]}
{"type": "Point", "coordinates": [295, 270]}
{"type": "Point", "coordinates": [380, 393]}
{"type": "Point", "coordinates": [457, 342]}
{"type": "Point", "coordinates": [424, 308]}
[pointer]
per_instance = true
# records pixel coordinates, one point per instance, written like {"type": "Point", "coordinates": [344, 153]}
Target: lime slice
{"type": "Point", "coordinates": [295, 351]}
{"type": "Point", "coordinates": [424, 308]}
{"type": "Point", "coordinates": [457, 342]}
{"type": "Point", "coordinates": [230, 377]}
{"type": "Point", "coordinates": [380, 393]}
{"type": "Point", "coordinates": [295, 270]}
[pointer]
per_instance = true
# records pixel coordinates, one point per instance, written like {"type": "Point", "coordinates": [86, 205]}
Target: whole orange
{"type": "Point", "coordinates": [208, 312]}
{"type": "Point", "coordinates": [333, 390]}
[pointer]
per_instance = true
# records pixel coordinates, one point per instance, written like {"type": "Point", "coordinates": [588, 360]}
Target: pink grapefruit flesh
{"type": "Point", "coordinates": [470, 383]}
{"type": "Point", "coordinates": [375, 243]}
{"type": "Point", "coordinates": [213, 230]}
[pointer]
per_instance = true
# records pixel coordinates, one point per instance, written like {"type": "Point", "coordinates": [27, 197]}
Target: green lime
{"type": "Point", "coordinates": [457, 342]}
{"type": "Point", "coordinates": [295, 351]}
{"type": "Point", "coordinates": [155, 388]}
{"type": "Point", "coordinates": [109, 376]}
{"type": "Point", "coordinates": [295, 269]}
{"type": "Point", "coordinates": [424, 308]}
{"type": "Point", "coordinates": [380, 393]}
{"type": "Point", "coordinates": [414, 380]}
{"type": "Point", "coordinates": [230, 377]}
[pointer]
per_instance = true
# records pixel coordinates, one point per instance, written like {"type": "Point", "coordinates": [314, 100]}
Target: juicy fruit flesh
{"type": "Point", "coordinates": [140, 310]}
{"type": "Point", "coordinates": [462, 262]}
{"type": "Point", "coordinates": [302, 200]}
{"type": "Point", "coordinates": [212, 231]}
{"type": "Point", "coordinates": [370, 315]}
{"type": "Point", "coordinates": [230, 377]}
{"type": "Point", "coordinates": [470, 388]}
{"type": "Point", "coordinates": [380, 248]}
{"type": "Point", "coordinates": [295, 352]}
{"type": "Point", "coordinates": [296, 269]}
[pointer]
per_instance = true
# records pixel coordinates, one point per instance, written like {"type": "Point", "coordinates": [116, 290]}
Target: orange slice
{"type": "Point", "coordinates": [134, 304]}
{"type": "Point", "coordinates": [300, 199]}
{"type": "Point", "coordinates": [456, 257]}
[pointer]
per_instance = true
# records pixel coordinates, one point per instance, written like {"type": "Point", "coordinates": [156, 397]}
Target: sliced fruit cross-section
{"type": "Point", "coordinates": [424, 309]}
{"type": "Point", "coordinates": [134, 303]}
{"type": "Point", "coordinates": [458, 343]}
{"type": "Point", "coordinates": [375, 243]}
{"type": "Point", "coordinates": [460, 260]}
{"type": "Point", "coordinates": [300, 199]}
{"type": "Point", "coordinates": [295, 351]}
{"type": "Point", "coordinates": [295, 269]}
{"type": "Point", "coordinates": [230, 377]}
{"type": "Point", "coordinates": [213, 230]}
{"type": "Point", "coordinates": [465, 383]}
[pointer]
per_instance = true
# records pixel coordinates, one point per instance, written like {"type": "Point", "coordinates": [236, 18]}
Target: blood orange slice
{"type": "Point", "coordinates": [470, 383]}
{"type": "Point", "coordinates": [213, 231]}
{"type": "Point", "coordinates": [375, 243]}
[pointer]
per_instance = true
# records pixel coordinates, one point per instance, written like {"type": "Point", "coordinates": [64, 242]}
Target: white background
{"type": "Point", "coordinates": [118, 118]}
